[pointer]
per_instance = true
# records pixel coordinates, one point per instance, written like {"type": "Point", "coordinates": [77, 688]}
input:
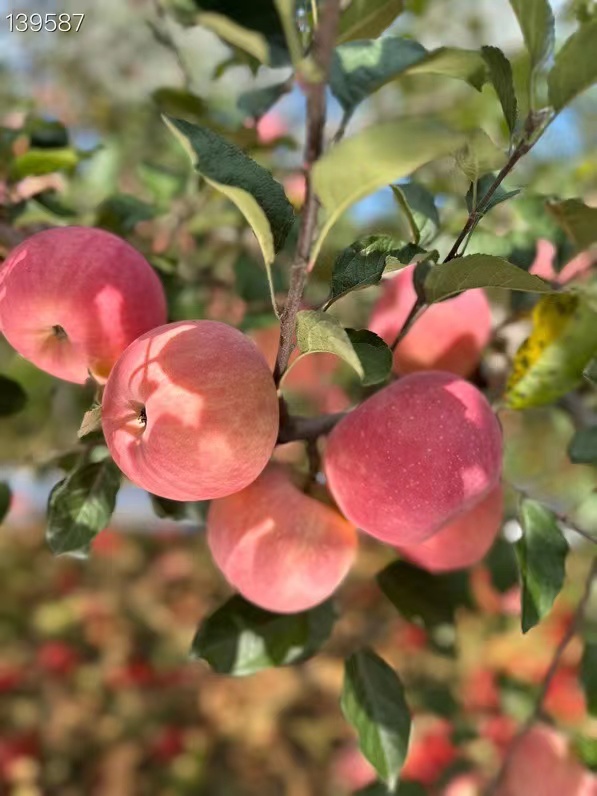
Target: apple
{"type": "Point", "coordinates": [543, 264]}
{"type": "Point", "coordinates": [73, 298]}
{"type": "Point", "coordinates": [190, 411]}
{"type": "Point", "coordinates": [280, 548]}
{"type": "Point", "coordinates": [462, 542]}
{"type": "Point", "coordinates": [450, 335]}
{"type": "Point", "coordinates": [414, 456]}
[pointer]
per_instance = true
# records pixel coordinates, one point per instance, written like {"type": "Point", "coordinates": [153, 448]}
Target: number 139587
{"type": "Point", "coordinates": [21, 23]}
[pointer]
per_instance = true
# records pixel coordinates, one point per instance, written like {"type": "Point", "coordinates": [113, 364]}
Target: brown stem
{"type": "Point", "coordinates": [323, 45]}
{"type": "Point", "coordinates": [410, 319]}
{"type": "Point", "coordinates": [537, 713]}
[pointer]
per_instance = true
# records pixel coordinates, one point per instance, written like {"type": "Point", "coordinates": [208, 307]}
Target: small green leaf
{"type": "Point", "coordinates": [359, 68]}
{"type": "Point", "coordinates": [479, 270]}
{"type": "Point", "coordinates": [578, 220]}
{"type": "Point", "coordinates": [590, 372]}
{"type": "Point", "coordinates": [537, 24]}
{"type": "Point", "coordinates": [258, 102]}
{"type": "Point", "coordinates": [37, 162]}
{"type": "Point", "coordinates": [419, 206]}
{"type": "Point", "coordinates": [46, 133]}
{"type": "Point", "coordinates": [370, 160]}
{"type": "Point", "coordinates": [249, 41]}
{"type": "Point", "coordinates": [180, 103]}
{"type": "Point", "coordinates": [5, 498]}
{"type": "Point", "coordinates": [583, 446]}
{"type": "Point", "coordinates": [366, 19]}
{"type": "Point", "coordinates": [316, 332]}
{"type": "Point", "coordinates": [541, 553]}
{"type": "Point", "coordinates": [363, 262]}
{"type": "Point", "coordinates": [500, 74]}
{"type": "Point", "coordinates": [51, 200]}
{"type": "Point", "coordinates": [373, 702]}
{"type": "Point", "coordinates": [375, 356]}
{"type": "Point", "coordinates": [177, 510]}
{"type": "Point", "coordinates": [80, 506]}
{"type": "Point", "coordinates": [455, 62]}
{"type": "Point", "coordinates": [575, 68]}
{"type": "Point", "coordinates": [588, 676]}
{"type": "Point", "coordinates": [91, 423]}
{"type": "Point", "coordinates": [421, 597]}
{"type": "Point", "coordinates": [585, 749]}
{"type": "Point", "coordinates": [478, 155]}
{"type": "Point", "coordinates": [484, 183]}
{"type": "Point", "coordinates": [287, 12]}
{"type": "Point", "coordinates": [122, 212]}
{"type": "Point", "coordinates": [240, 639]}
{"type": "Point", "coordinates": [252, 188]}
{"type": "Point", "coordinates": [12, 397]}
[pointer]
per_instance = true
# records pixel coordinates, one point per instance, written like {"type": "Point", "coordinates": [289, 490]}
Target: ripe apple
{"type": "Point", "coordinates": [190, 411]}
{"type": "Point", "coordinates": [414, 456]}
{"type": "Point", "coordinates": [462, 542]}
{"type": "Point", "coordinates": [73, 298]}
{"type": "Point", "coordinates": [281, 548]}
{"type": "Point", "coordinates": [450, 335]}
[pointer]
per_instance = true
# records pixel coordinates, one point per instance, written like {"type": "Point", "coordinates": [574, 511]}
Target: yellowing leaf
{"type": "Point", "coordinates": [551, 361]}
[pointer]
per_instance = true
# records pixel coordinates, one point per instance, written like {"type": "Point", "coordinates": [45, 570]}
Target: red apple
{"type": "Point", "coordinates": [414, 456]}
{"type": "Point", "coordinates": [73, 298]}
{"type": "Point", "coordinates": [450, 335]}
{"type": "Point", "coordinates": [462, 542]}
{"type": "Point", "coordinates": [190, 411]}
{"type": "Point", "coordinates": [282, 549]}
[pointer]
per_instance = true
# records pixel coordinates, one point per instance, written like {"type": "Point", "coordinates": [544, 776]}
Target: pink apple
{"type": "Point", "coordinates": [544, 259]}
{"type": "Point", "coordinates": [450, 335]}
{"type": "Point", "coordinates": [464, 541]}
{"type": "Point", "coordinates": [414, 456]}
{"type": "Point", "coordinates": [190, 411]}
{"type": "Point", "coordinates": [281, 548]}
{"type": "Point", "coordinates": [73, 298]}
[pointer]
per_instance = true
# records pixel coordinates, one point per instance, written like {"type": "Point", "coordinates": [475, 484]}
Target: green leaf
{"type": "Point", "coordinates": [455, 62]}
{"type": "Point", "coordinates": [537, 24]}
{"type": "Point", "coordinates": [588, 676]}
{"type": "Point", "coordinates": [369, 160]}
{"type": "Point", "coordinates": [91, 423]}
{"type": "Point", "coordinates": [375, 356]}
{"type": "Point", "coordinates": [500, 74]}
{"type": "Point", "coordinates": [178, 510]}
{"type": "Point", "coordinates": [5, 498]}
{"type": "Point", "coordinates": [180, 103]}
{"type": "Point", "coordinates": [478, 155]}
{"type": "Point", "coordinates": [359, 68]}
{"type": "Point", "coordinates": [551, 361]}
{"type": "Point", "coordinates": [578, 220]}
{"type": "Point", "coordinates": [367, 19]}
{"type": "Point", "coordinates": [287, 12]}
{"type": "Point", "coordinates": [257, 102]}
{"type": "Point", "coordinates": [479, 270]}
{"type": "Point", "coordinates": [252, 188]}
{"type": "Point", "coordinates": [37, 162]}
{"type": "Point", "coordinates": [419, 206]}
{"type": "Point", "coordinates": [484, 183]}
{"type": "Point", "coordinates": [590, 372]}
{"type": "Point", "coordinates": [421, 597]}
{"type": "Point", "coordinates": [51, 200]}
{"type": "Point", "coordinates": [46, 133]}
{"type": "Point", "coordinates": [270, 52]}
{"type": "Point", "coordinates": [541, 553]}
{"type": "Point", "coordinates": [363, 262]}
{"type": "Point", "coordinates": [122, 212]}
{"type": "Point", "coordinates": [585, 749]}
{"type": "Point", "coordinates": [316, 332]}
{"type": "Point", "coordinates": [583, 446]}
{"type": "Point", "coordinates": [240, 639]}
{"type": "Point", "coordinates": [575, 68]}
{"type": "Point", "coordinates": [373, 702]}
{"type": "Point", "coordinates": [80, 506]}
{"type": "Point", "coordinates": [12, 397]}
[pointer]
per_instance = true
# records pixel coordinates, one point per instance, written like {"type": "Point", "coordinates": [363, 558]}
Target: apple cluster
{"type": "Point", "coordinates": [190, 411]}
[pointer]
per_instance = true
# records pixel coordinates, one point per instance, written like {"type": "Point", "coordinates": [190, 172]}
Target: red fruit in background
{"type": "Point", "coordinates": [282, 549]}
{"type": "Point", "coordinates": [565, 699]}
{"type": "Point", "coordinates": [350, 770]}
{"type": "Point", "coordinates": [464, 541]}
{"type": "Point", "coordinates": [167, 744]}
{"type": "Point", "coordinates": [190, 411]}
{"type": "Point", "coordinates": [73, 298]}
{"type": "Point", "coordinates": [543, 264]}
{"type": "Point", "coordinates": [58, 658]}
{"type": "Point", "coordinates": [450, 335]}
{"type": "Point", "coordinates": [414, 456]}
{"type": "Point", "coordinates": [429, 754]}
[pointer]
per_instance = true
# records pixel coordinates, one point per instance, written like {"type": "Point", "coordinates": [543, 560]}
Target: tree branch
{"type": "Point", "coordinates": [537, 713]}
{"type": "Point", "coordinates": [323, 46]}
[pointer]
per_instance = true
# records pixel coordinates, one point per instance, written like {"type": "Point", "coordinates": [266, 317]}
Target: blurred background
{"type": "Point", "coordinates": [97, 694]}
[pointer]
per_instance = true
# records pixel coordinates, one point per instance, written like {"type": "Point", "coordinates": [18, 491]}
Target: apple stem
{"type": "Point", "coordinates": [323, 46]}
{"type": "Point", "coordinates": [59, 332]}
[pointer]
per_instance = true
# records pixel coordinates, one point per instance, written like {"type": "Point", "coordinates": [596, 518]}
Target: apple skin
{"type": "Point", "coordinates": [542, 764]}
{"type": "Point", "coordinates": [414, 456]}
{"type": "Point", "coordinates": [73, 298]}
{"type": "Point", "coordinates": [210, 405]}
{"type": "Point", "coordinates": [280, 548]}
{"type": "Point", "coordinates": [450, 335]}
{"type": "Point", "coordinates": [464, 541]}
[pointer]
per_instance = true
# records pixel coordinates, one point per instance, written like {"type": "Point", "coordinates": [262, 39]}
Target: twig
{"type": "Point", "coordinates": [410, 319]}
{"type": "Point", "coordinates": [325, 37]}
{"type": "Point", "coordinates": [537, 712]}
